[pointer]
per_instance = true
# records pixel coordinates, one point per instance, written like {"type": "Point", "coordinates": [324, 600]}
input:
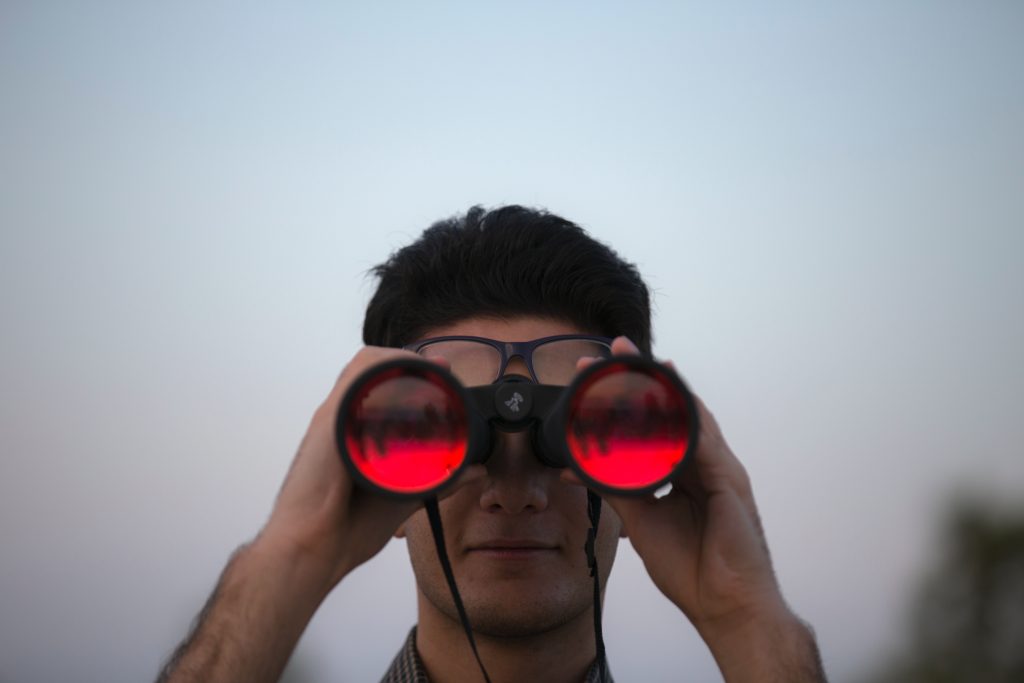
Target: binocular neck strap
{"type": "Point", "coordinates": [594, 513]}
{"type": "Point", "coordinates": [434, 515]}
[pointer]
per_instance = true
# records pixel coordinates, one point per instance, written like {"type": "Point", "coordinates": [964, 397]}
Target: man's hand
{"type": "Point", "coordinates": [703, 546]}
{"type": "Point", "coordinates": [322, 527]}
{"type": "Point", "coordinates": [320, 514]}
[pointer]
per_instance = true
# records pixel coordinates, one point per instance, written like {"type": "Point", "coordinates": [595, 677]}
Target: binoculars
{"type": "Point", "coordinates": [625, 425]}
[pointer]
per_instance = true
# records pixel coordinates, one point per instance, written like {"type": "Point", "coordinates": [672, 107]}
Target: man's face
{"type": "Point", "coordinates": [516, 537]}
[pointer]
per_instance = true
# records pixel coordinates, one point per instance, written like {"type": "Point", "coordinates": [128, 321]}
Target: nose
{"type": "Point", "coordinates": [517, 366]}
{"type": "Point", "coordinates": [516, 481]}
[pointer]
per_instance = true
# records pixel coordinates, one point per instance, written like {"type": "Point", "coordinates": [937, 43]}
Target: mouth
{"type": "Point", "coordinates": [512, 549]}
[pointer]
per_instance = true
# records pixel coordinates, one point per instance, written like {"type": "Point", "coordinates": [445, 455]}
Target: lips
{"type": "Point", "coordinates": [511, 547]}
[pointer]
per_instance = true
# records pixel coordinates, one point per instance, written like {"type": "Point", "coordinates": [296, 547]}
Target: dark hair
{"type": "Point", "coordinates": [506, 262]}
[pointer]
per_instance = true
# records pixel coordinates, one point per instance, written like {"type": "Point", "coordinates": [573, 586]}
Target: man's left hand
{"type": "Point", "coordinates": [703, 545]}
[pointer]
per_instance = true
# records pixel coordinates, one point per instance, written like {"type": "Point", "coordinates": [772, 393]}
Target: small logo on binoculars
{"type": "Point", "coordinates": [513, 403]}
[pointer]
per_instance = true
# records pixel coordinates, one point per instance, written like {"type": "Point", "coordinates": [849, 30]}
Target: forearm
{"type": "Point", "coordinates": [776, 648]}
{"type": "Point", "coordinates": [250, 625]}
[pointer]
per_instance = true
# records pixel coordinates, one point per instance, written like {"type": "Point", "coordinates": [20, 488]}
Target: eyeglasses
{"type": "Point", "coordinates": [478, 360]}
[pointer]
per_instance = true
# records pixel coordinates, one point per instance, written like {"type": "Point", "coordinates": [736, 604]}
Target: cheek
{"type": "Point", "coordinates": [414, 527]}
{"type": "Point", "coordinates": [419, 542]}
{"type": "Point", "coordinates": [420, 538]}
{"type": "Point", "coordinates": [572, 504]}
{"type": "Point", "coordinates": [572, 507]}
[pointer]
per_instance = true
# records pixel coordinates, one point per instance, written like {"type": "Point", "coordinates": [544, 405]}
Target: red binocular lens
{"type": "Point", "coordinates": [625, 425]}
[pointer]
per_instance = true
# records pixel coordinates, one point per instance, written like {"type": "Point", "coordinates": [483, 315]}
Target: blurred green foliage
{"type": "Point", "coordinates": [967, 620]}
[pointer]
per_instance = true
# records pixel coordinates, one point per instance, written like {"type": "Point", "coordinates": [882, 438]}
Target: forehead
{"type": "Point", "coordinates": [522, 328]}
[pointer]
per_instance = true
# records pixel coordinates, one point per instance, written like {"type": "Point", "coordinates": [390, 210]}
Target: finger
{"type": "Point", "coordinates": [629, 510]}
{"type": "Point", "coordinates": [628, 504]}
{"type": "Point", "coordinates": [652, 522]}
{"type": "Point", "coordinates": [365, 358]}
{"type": "Point", "coordinates": [622, 346]}
{"type": "Point", "coordinates": [585, 362]}
{"type": "Point", "coordinates": [372, 509]}
{"type": "Point", "coordinates": [637, 513]}
{"type": "Point", "coordinates": [718, 467]}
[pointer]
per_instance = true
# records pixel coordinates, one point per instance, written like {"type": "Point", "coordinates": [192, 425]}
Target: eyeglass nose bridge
{"type": "Point", "coordinates": [517, 350]}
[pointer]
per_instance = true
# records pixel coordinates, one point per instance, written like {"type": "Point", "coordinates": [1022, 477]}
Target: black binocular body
{"type": "Point", "coordinates": [626, 425]}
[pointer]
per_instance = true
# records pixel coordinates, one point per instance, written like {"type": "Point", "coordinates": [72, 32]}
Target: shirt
{"type": "Point", "coordinates": [407, 667]}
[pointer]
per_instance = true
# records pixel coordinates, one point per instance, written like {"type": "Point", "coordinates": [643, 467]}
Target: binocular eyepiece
{"type": "Point", "coordinates": [408, 427]}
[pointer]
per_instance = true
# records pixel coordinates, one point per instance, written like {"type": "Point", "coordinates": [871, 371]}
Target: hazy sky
{"type": "Point", "coordinates": [827, 201]}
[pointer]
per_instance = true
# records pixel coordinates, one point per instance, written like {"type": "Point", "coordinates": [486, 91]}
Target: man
{"type": "Point", "coordinates": [515, 529]}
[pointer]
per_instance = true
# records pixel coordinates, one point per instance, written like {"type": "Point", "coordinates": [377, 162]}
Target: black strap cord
{"type": "Point", "coordinates": [594, 513]}
{"type": "Point", "coordinates": [434, 515]}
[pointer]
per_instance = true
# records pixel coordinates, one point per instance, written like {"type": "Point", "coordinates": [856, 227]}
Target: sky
{"type": "Point", "coordinates": [826, 200]}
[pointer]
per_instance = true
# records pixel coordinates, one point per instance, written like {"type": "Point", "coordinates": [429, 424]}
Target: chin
{"type": "Point", "coordinates": [515, 615]}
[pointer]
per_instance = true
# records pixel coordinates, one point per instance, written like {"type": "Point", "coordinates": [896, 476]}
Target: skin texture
{"type": "Point", "coordinates": [702, 545]}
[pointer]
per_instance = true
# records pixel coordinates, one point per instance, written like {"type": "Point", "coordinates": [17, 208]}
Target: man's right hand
{"type": "Point", "coordinates": [322, 527]}
{"type": "Point", "coordinates": [321, 517]}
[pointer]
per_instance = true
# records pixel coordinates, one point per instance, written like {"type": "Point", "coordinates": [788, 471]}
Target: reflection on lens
{"type": "Point", "coordinates": [406, 430]}
{"type": "Point", "coordinates": [474, 363]}
{"type": "Point", "coordinates": [628, 428]}
{"type": "Point", "coordinates": [555, 361]}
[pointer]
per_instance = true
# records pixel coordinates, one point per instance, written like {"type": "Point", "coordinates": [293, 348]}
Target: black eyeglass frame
{"type": "Point", "coordinates": [509, 350]}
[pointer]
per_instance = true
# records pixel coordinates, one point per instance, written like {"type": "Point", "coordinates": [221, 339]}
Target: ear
{"type": "Point", "coordinates": [400, 531]}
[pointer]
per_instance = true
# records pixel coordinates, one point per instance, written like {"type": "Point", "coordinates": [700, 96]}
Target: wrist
{"type": "Point", "coordinates": [311, 571]}
{"type": "Point", "coordinates": [765, 643]}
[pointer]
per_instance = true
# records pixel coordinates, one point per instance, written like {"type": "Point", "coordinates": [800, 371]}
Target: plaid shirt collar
{"type": "Point", "coordinates": [407, 667]}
